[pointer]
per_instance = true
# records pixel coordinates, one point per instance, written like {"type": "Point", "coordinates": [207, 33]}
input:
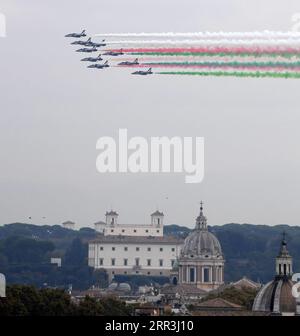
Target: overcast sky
{"type": "Point", "coordinates": [53, 110]}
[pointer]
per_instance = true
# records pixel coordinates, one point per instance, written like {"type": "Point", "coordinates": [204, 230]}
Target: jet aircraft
{"type": "Point", "coordinates": [87, 50]}
{"type": "Point", "coordinates": [135, 62]}
{"type": "Point", "coordinates": [143, 72]}
{"type": "Point", "coordinates": [92, 59]}
{"type": "Point", "coordinates": [78, 35]}
{"type": "Point", "coordinates": [99, 66]}
{"type": "Point", "coordinates": [114, 53]}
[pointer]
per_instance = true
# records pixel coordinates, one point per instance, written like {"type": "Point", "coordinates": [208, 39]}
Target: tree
{"type": "Point", "coordinates": [76, 254]}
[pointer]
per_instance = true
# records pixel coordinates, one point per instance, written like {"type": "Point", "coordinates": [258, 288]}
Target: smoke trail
{"type": "Point", "coordinates": [222, 42]}
{"type": "Point", "coordinates": [215, 49]}
{"type": "Point", "coordinates": [206, 54]}
{"type": "Point", "coordinates": [234, 74]}
{"type": "Point", "coordinates": [236, 35]}
{"type": "Point", "coordinates": [218, 64]}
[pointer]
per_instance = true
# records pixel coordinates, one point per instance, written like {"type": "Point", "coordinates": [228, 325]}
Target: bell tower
{"type": "Point", "coordinates": [284, 261]}
{"type": "Point", "coordinates": [157, 219]}
{"type": "Point", "coordinates": [111, 218]}
{"type": "Point", "coordinates": [201, 221]}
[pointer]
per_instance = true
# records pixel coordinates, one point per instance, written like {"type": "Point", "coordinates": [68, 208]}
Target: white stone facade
{"type": "Point", "coordinates": [134, 255]}
{"type": "Point", "coordinates": [111, 226]}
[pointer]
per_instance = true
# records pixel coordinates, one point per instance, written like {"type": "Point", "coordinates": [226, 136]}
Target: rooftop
{"type": "Point", "coordinates": [137, 240]}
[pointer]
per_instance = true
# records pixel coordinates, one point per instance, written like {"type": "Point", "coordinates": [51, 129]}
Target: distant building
{"type": "Point", "coordinates": [276, 296]}
{"type": "Point", "coordinates": [99, 226]}
{"type": "Point", "coordinates": [2, 285]}
{"type": "Point", "coordinates": [201, 261]}
{"type": "Point", "coordinates": [246, 283]}
{"type": "Point", "coordinates": [132, 255]}
{"type": "Point", "coordinates": [56, 261]}
{"type": "Point", "coordinates": [113, 228]}
{"type": "Point", "coordinates": [69, 225]}
{"type": "Point", "coordinates": [221, 307]}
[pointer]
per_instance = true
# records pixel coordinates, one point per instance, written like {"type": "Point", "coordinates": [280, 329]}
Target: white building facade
{"type": "Point", "coordinates": [111, 226]}
{"type": "Point", "coordinates": [134, 249]}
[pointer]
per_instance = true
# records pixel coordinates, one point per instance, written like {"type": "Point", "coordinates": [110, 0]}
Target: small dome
{"type": "Point", "coordinates": [124, 286]}
{"type": "Point", "coordinates": [276, 297]}
{"type": "Point", "coordinates": [201, 243]}
{"type": "Point", "coordinates": [113, 286]}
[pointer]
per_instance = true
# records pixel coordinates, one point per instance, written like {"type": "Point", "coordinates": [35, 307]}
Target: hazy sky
{"type": "Point", "coordinates": [53, 110]}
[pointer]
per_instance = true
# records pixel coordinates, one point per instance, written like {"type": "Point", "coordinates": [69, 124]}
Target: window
{"type": "Point", "coordinates": [113, 262]}
{"type": "Point", "coordinates": [137, 261]}
{"type": "Point", "coordinates": [125, 272]}
{"type": "Point", "coordinates": [134, 231]}
{"type": "Point", "coordinates": [161, 249]}
{"type": "Point", "coordinates": [125, 248]}
{"type": "Point", "coordinates": [101, 261]}
{"type": "Point", "coordinates": [148, 262]}
{"type": "Point", "coordinates": [137, 248]}
{"type": "Point", "coordinates": [123, 230]}
{"type": "Point", "coordinates": [160, 273]}
{"type": "Point", "coordinates": [172, 262]}
{"type": "Point", "coordinates": [192, 274]}
{"type": "Point", "coordinates": [101, 248]}
{"type": "Point", "coordinates": [125, 262]}
{"type": "Point", "coordinates": [173, 249]}
{"type": "Point", "coordinates": [157, 231]}
{"type": "Point", "coordinates": [111, 230]}
{"type": "Point", "coordinates": [113, 248]}
{"type": "Point", "coordinates": [148, 273]}
{"type": "Point", "coordinates": [206, 275]}
{"type": "Point", "coordinates": [161, 262]}
{"type": "Point", "coordinates": [147, 231]}
{"type": "Point", "coordinates": [149, 249]}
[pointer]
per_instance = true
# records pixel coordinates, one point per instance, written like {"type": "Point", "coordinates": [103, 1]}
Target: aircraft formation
{"type": "Point", "coordinates": [266, 54]}
{"type": "Point", "coordinates": [89, 46]}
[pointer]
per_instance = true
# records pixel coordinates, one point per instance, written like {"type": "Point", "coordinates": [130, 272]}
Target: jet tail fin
{"type": "Point", "coordinates": [150, 70]}
{"type": "Point", "coordinates": [106, 62]}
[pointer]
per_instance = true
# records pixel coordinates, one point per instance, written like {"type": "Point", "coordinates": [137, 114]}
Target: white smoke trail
{"type": "Point", "coordinates": [223, 42]}
{"type": "Point", "coordinates": [232, 35]}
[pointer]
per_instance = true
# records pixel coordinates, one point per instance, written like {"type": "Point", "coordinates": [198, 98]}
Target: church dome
{"type": "Point", "coordinates": [276, 297]}
{"type": "Point", "coordinates": [200, 242]}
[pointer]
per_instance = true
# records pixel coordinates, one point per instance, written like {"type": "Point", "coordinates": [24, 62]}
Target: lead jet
{"type": "Point", "coordinates": [143, 72]}
{"type": "Point", "coordinates": [114, 53]}
{"type": "Point", "coordinates": [87, 50]}
{"type": "Point", "coordinates": [135, 62]}
{"type": "Point", "coordinates": [77, 35]}
{"type": "Point", "coordinates": [99, 66]}
{"type": "Point", "coordinates": [92, 59]}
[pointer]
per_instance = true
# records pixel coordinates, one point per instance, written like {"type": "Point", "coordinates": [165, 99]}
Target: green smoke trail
{"type": "Point", "coordinates": [229, 64]}
{"type": "Point", "coordinates": [256, 74]}
{"type": "Point", "coordinates": [257, 55]}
